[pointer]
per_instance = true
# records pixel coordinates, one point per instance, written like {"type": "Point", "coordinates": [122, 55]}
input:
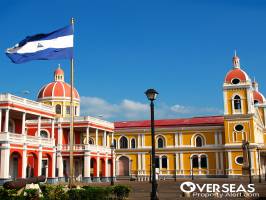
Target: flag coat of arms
{"type": "Point", "coordinates": [55, 45]}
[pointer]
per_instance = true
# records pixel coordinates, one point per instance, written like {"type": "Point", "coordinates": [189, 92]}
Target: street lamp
{"type": "Point", "coordinates": [150, 166]}
{"type": "Point", "coordinates": [258, 152]}
{"type": "Point", "coordinates": [151, 95]}
{"type": "Point", "coordinates": [112, 155]}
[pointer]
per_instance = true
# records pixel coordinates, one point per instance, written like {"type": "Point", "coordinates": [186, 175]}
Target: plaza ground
{"type": "Point", "coordinates": [170, 189]}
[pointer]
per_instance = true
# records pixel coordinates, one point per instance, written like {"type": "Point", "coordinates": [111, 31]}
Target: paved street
{"type": "Point", "coordinates": [171, 190]}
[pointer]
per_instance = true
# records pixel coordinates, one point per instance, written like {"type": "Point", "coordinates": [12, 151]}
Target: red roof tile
{"type": "Point", "coordinates": [194, 121]}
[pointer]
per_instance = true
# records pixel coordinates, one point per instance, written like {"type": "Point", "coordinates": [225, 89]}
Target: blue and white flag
{"type": "Point", "coordinates": [54, 45]}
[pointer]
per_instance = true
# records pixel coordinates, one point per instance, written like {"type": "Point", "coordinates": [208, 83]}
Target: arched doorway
{"type": "Point", "coordinates": [32, 165]}
{"type": "Point", "coordinates": [15, 165]}
{"type": "Point", "coordinates": [123, 166]}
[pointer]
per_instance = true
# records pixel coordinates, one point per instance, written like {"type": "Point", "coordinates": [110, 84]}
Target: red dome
{"type": "Point", "coordinates": [258, 96]}
{"type": "Point", "coordinates": [57, 89]}
{"type": "Point", "coordinates": [58, 71]}
{"type": "Point", "coordinates": [236, 74]}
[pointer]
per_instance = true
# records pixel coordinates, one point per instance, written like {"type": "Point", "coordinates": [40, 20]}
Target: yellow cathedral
{"type": "Point", "coordinates": [230, 145]}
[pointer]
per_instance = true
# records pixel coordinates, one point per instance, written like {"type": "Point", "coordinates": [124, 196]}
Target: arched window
{"type": "Point", "coordinates": [133, 143]}
{"type": "Point", "coordinates": [160, 142]}
{"type": "Point", "coordinates": [164, 162]}
{"type": "Point", "coordinates": [199, 141]}
{"type": "Point", "coordinates": [195, 161]}
{"type": "Point", "coordinates": [123, 143]}
{"type": "Point", "coordinates": [203, 161]}
{"type": "Point", "coordinates": [44, 134]}
{"type": "Point", "coordinates": [237, 102]}
{"type": "Point", "coordinates": [91, 141]}
{"type": "Point", "coordinates": [58, 109]}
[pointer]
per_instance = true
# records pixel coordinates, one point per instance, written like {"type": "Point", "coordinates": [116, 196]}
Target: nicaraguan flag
{"type": "Point", "coordinates": [54, 45]}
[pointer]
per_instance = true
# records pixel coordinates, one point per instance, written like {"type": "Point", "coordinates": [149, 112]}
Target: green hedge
{"type": "Point", "coordinates": [59, 192]}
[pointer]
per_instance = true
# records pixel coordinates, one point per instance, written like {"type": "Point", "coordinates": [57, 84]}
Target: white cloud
{"type": "Point", "coordinates": [132, 110]}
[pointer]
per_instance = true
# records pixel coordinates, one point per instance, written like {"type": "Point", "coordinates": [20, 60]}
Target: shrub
{"type": "Point", "coordinates": [51, 192]}
{"type": "Point", "coordinates": [121, 191]}
{"type": "Point", "coordinates": [91, 192]}
{"type": "Point", "coordinates": [31, 194]}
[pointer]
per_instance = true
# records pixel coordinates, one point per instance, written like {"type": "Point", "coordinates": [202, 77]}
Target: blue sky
{"type": "Point", "coordinates": [183, 49]}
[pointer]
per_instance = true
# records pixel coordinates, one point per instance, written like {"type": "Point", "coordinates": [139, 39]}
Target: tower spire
{"type": "Point", "coordinates": [236, 61]}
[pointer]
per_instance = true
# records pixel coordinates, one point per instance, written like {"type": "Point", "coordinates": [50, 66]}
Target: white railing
{"type": "Point", "coordinates": [26, 102]}
{"type": "Point", "coordinates": [16, 138]}
{"type": "Point", "coordinates": [89, 119]}
{"type": "Point", "coordinates": [89, 147]}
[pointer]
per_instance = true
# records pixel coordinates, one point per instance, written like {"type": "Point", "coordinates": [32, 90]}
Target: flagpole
{"type": "Point", "coordinates": [71, 180]}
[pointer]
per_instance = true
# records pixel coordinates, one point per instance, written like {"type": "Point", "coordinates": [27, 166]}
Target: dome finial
{"type": "Point", "coordinates": [236, 61]}
{"type": "Point", "coordinates": [59, 74]}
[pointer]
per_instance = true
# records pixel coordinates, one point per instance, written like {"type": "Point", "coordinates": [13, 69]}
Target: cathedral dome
{"type": "Point", "coordinates": [258, 97]}
{"type": "Point", "coordinates": [57, 89]}
{"type": "Point", "coordinates": [236, 75]}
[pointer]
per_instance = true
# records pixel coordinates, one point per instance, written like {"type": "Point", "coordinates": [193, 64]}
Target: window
{"type": "Point", "coordinates": [123, 143]}
{"type": "Point", "coordinates": [164, 162]}
{"type": "Point", "coordinates": [239, 127]}
{"type": "Point", "coordinates": [239, 160]}
{"type": "Point", "coordinates": [199, 141]}
{"type": "Point", "coordinates": [237, 103]}
{"type": "Point", "coordinates": [256, 102]}
{"type": "Point", "coordinates": [157, 162]}
{"type": "Point", "coordinates": [76, 110]}
{"type": "Point", "coordinates": [235, 81]}
{"type": "Point", "coordinates": [11, 126]}
{"type": "Point", "coordinates": [133, 143]}
{"type": "Point", "coordinates": [91, 141]}
{"type": "Point", "coordinates": [68, 110]}
{"type": "Point", "coordinates": [195, 161]}
{"type": "Point", "coordinates": [203, 161]}
{"type": "Point", "coordinates": [160, 143]}
{"type": "Point", "coordinates": [44, 134]}
{"type": "Point", "coordinates": [58, 109]}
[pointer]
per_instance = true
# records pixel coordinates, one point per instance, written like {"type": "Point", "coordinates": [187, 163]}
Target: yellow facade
{"type": "Point", "coordinates": [202, 148]}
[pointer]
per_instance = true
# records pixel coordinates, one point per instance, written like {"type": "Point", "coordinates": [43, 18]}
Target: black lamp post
{"type": "Point", "coordinates": [192, 172]}
{"type": "Point", "coordinates": [150, 166]}
{"type": "Point", "coordinates": [112, 154]}
{"type": "Point", "coordinates": [151, 95]}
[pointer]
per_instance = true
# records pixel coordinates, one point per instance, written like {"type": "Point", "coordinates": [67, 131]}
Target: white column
{"type": "Point", "coordinates": [215, 138]}
{"type": "Point", "coordinates": [139, 141]}
{"type": "Point", "coordinates": [24, 161]}
{"type": "Point", "coordinates": [177, 162]}
{"type": "Point", "coordinates": [52, 136]}
{"type": "Point", "coordinates": [160, 163]}
{"type": "Point", "coordinates": [0, 120]}
{"type": "Point", "coordinates": [181, 163]}
{"type": "Point", "coordinates": [98, 166]}
{"type": "Point", "coordinates": [96, 137]}
{"type": "Point", "coordinates": [108, 140]}
{"type": "Point", "coordinates": [180, 138]}
{"type": "Point", "coordinates": [115, 165]}
{"type": "Point", "coordinates": [225, 103]}
{"type": "Point", "coordinates": [220, 138]}
{"type": "Point", "coordinates": [40, 161]}
{"type": "Point", "coordinates": [252, 166]}
{"type": "Point", "coordinates": [142, 140]}
{"type": "Point", "coordinates": [199, 161]}
{"type": "Point", "coordinates": [23, 123]}
{"type": "Point", "coordinates": [88, 134]}
{"type": "Point", "coordinates": [60, 165]}
{"type": "Point", "coordinates": [39, 126]}
{"type": "Point", "coordinates": [106, 166]}
{"type": "Point", "coordinates": [112, 138]}
{"type": "Point", "coordinates": [139, 161]}
{"type": "Point", "coordinates": [104, 138]}
{"type": "Point", "coordinates": [222, 162]}
{"type": "Point", "coordinates": [5, 154]}
{"type": "Point", "coordinates": [60, 136]}
{"type": "Point", "coordinates": [229, 162]}
{"type": "Point", "coordinates": [53, 162]}
{"type": "Point", "coordinates": [143, 161]}
{"type": "Point", "coordinates": [176, 139]}
{"type": "Point", "coordinates": [6, 120]}
{"type": "Point", "coordinates": [87, 164]}
{"type": "Point", "coordinates": [217, 162]}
